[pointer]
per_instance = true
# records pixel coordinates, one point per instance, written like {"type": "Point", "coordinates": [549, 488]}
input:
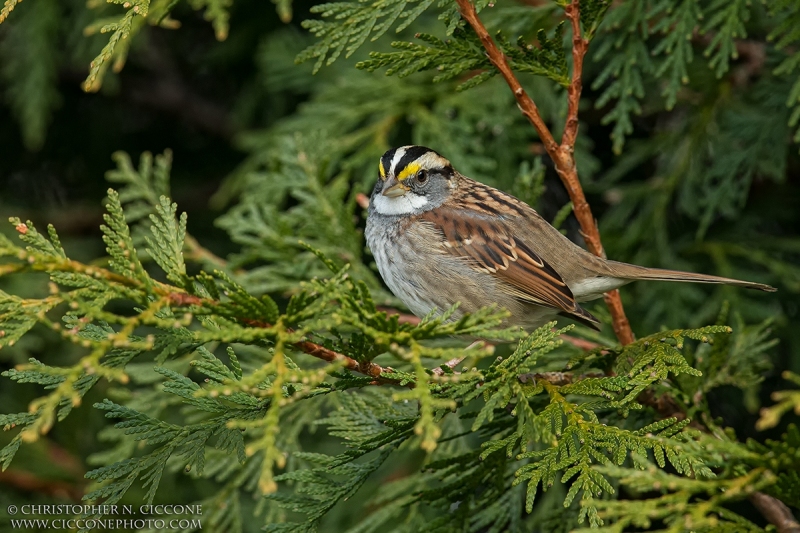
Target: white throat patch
{"type": "Point", "coordinates": [401, 205]}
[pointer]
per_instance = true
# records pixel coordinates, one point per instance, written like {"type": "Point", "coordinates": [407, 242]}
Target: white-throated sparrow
{"type": "Point", "coordinates": [439, 238]}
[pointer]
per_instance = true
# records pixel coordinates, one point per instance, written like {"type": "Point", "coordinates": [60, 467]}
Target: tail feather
{"type": "Point", "coordinates": [579, 314]}
{"type": "Point", "coordinates": [633, 272]}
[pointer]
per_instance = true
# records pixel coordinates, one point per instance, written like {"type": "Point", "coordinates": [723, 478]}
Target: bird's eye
{"type": "Point", "coordinates": [421, 177]}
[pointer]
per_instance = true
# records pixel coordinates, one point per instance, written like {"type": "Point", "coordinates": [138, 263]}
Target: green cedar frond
{"type": "Point", "coordinates": [30, 67]}
{"type": "Point", "coordinates": [787, 400]}
{"type": "Point", "coordinates": [739, 360]}
{"type": "Point", "coordinates": [365, 416]}
{"type": "Point", "coordinates": [584, 442]}
{"type": "Point", "coordinates": [548, 59]}
{"type": "Point", "coordinates": [187, 442]}
{"type": "Point", "coordinates": [119, 244]}
{"type": "Point", "coordinates": [138, 12]}
{"type": "Point", "coordinates": [38, 243]}
{"type": "Point", "coordinates": [350, 24]}
{"type": "Point", "coordinates": [501, 384]}
{"type": "Point", "coordinates": [785, 34]}
{"type": "Point", "coordinates": [122, 30]}
{"type": "Point", "coordinates": [727, 22]}
{"type": "Point", "coordinates": [628, 62]}
{"type": "Point", "coordinates": [676, 23]}
{"type": "Point", "coordinates": [216, 11]}
{"type": "Point", "coordinates": [212, 367]}
{"type": "Point", "coordinates": [781, 457]}
{"type": "Point", "coordinates": [142, 187]}
{"type": "Point", "coordinates": [69, 386]}
{"type": "Point", "coordinates": [18, 316]}
{"type": "Point", "coordinates": [592, 13]}
{"type": "Point", "coordinates": [294, 171]}
{"type": "Point", "coordinates": [8, 7]}
{"type": "Point", "coordinates": [166, 246]}
{"type": "Point", "coordinates": [463, 53]}
{"type": "Point", "coordinates": [699, 505]}
{"type": "Point", "coordinates": [464, 478]}
{"type": "Point", "coordinates": [457, 55]}
{"type": "Point", "coordinates": [778, 455]}
{"type": "Point", "coordinates": [431, 406]}
{"type": "Point", "coordinates": [321, 488]}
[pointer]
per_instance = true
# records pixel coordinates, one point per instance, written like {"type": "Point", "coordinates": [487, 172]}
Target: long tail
{"type": "Point", "coordinates": [634, 272]}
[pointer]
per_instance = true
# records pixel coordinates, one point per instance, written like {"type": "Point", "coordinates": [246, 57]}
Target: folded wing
{"type": "Point", "coordinates": [489, 245]}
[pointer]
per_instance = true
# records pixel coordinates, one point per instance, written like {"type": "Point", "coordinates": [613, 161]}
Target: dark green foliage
{"type": "Point", "coordinates": [30, 70]}
{"type": "Point", "coordinates": [623, 72]}
{"type": "Point", "coordinates": [785, 33]}
{"type": "Point", "coordinates": [592, 14]}
{"type": "Point", "coordinates": [676, 24]}
{"type": "Point", "coordinates": [350, 24]}
{"type": "Point", "coordinates": [462, 53]}
{"type": "Point", "coordinates": [727, 22]}
{"type": "Point", "coordinates": [452, 58]}
{"type": "Point", "coordinates": [783, 458]}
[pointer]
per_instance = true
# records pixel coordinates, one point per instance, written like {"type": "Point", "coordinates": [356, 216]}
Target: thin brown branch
{"type": "Point", "coordinates": [368, 368]}
{"type": "Point", "coordinates": [197, 252]}
{"type": "Point", "coordinates": [526, 104]}
{"type": "Point", "coordinates": [774, 510]}
{"type": "Point", "coordinates": [583, 344]}
{"type": "Point", "coordinates": [28, 482]}
{"type": "Point", "coordinates": [558, 378]}
{"type": "Point", "coordinates": [451, 364]}
{"type": "Point", "coordinates": [403, 318]}
{"type": "Point", "coordinates": [562, 155]}
{"type": "Point", "coordinates": [579, 48]}
{"type": "Point", "coordinates": [619, 321]}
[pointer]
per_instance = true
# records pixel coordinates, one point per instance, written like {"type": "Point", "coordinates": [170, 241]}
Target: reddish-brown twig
{"type": "Point", "coordinates": [563, 154]}
{"type": "Point", "coordinates": [368, 368]}
{"type": "Point", "coordinates": [316, 350]}
{"type": "Point", "coordinates": [362, 200]}
{"type": "Point", "coordinates": [28, 482]}
{"type": "Point", "coordinates": [583, 344]}
{"type": "Point", "coordinates": [776, 512]}
{"type": "Point", "coordinates": [403, 318]}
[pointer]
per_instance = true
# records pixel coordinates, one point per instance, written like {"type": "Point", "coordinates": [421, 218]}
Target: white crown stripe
{"type": "Point", "coordinates": [398, 155]}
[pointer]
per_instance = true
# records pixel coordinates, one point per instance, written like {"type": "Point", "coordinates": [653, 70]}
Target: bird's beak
{"type": "Point", "coordinates": [393, 188]}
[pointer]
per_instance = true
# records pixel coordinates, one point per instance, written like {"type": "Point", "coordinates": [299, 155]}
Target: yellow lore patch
{"type": "Point", "coordinates": [410, 170]}
{"type": "Point", "coordinates": [382, 170]}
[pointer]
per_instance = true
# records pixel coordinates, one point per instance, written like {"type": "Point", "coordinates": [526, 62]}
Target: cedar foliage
{"type": "Point", "coordinates": [197, 361]}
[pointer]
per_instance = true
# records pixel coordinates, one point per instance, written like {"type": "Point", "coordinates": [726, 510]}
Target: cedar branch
{"type": "Point", "coordinates": [367, 368]}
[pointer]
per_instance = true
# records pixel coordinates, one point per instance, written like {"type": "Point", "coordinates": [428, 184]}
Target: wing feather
{"type": "Point", "coordinates": [490, 246]}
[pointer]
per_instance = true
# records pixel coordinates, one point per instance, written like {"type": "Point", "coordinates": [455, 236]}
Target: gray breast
{"type": "Point", "coordinates": [425, 277]}
{"type": "Point", "coordinates": [398, 262]}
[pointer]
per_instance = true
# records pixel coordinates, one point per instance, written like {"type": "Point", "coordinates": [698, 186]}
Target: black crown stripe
{"type": "Point", "coordinates": [412, 154]}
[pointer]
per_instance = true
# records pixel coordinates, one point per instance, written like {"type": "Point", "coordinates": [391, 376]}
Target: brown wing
{"type": "Point", "coordinates": [488, 243]}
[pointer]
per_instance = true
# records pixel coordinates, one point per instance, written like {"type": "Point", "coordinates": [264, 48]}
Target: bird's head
{"type": "Point", "coordinates": [411, 179]}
